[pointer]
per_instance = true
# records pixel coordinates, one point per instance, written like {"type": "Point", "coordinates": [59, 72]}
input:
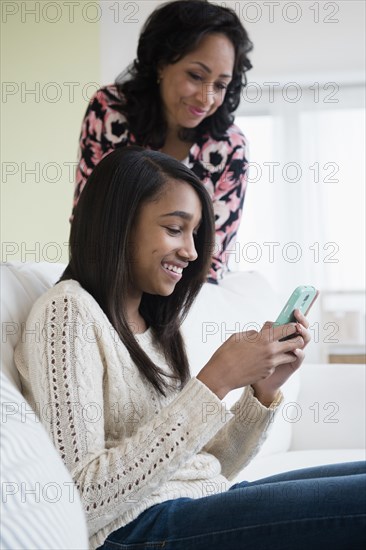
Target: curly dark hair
{"type": "Point", "coordinates": [171, 32]}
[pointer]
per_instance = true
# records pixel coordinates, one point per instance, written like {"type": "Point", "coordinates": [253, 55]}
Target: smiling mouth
{"type": "Point", "coordinates": [174, 268]}
{"type": "Point", "coordinates": [173, 271]}
{"type": "Point", "coordinates": [195, 111]}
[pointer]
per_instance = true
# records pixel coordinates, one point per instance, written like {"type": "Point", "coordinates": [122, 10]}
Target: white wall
{"type": "Point", "coordinates": [49, 69]}
{"type": "Point", "coordinates": [325, 41]}
{"type": "Point", "coordinates": [120, 28]}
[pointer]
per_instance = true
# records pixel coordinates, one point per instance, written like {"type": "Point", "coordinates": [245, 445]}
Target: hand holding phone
{"type": "Point", "coordinates": [302, 298]}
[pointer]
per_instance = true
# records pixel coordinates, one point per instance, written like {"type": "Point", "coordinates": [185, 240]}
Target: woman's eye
{"type": "Point", "coordinates": [195, 76]}
{"type": "Point", "coordinates": [221, 86]}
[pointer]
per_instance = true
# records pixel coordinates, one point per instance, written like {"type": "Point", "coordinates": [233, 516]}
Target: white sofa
{"type": "Point", "coordinates": [323, 417]}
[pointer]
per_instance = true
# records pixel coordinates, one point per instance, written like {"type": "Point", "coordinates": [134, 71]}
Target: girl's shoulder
{"type": "Point", "coordinates": [63, 297]}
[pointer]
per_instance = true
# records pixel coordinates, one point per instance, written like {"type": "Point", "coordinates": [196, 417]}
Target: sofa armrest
{"type": "Point", "coordinates": [21, 284]}
{"type": "Point", "coordinates": [330, 410]}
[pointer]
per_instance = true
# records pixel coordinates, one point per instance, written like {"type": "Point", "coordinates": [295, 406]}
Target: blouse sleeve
{"type": "Point", "coordinates": [103, 129]}
{"type": "Point", "coordinates": [222, 167]}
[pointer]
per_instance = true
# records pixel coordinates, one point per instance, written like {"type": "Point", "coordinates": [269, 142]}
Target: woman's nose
{"type": "Point", "coordinates": [207, 94]}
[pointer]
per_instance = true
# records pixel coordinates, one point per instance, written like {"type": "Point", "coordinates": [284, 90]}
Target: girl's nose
{"type": "Point", "coordinates": [188, 250]}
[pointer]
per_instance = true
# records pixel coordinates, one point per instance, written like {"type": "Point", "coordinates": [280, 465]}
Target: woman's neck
{"type": "Point", "coordinates": [175, 147]}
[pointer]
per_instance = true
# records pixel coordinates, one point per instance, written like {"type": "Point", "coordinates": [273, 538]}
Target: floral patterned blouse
{"type": "Point", "coordinates": [220, 165]}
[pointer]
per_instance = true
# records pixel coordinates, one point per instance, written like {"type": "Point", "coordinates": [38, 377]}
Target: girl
{"type": "Point", "coordinates": [152, 450]}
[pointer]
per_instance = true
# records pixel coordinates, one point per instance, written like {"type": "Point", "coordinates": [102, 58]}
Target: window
{"type": "Point", "coordinates": [304, 213]}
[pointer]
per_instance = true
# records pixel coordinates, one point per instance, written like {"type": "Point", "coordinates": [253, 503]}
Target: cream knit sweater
{"type": "Point", "coordinates": [126, 446]}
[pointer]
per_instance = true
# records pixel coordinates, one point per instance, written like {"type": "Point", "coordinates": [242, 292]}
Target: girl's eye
{"type": "Point", "coordinates": [173, 230]}
{"type": "Point", "coordinates": [221, 86]}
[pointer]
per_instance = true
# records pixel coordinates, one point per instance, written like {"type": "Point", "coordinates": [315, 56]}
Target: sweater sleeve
{"type": "Point", "coordinates": [237, 443]}
{"type": "Point", "coordinates": [102, 130]}
{"type": "Point", "coordinates": [67, 366]}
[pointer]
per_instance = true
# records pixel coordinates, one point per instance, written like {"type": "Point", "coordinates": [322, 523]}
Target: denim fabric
{"type": "Point", "coordinates": [315, 508]}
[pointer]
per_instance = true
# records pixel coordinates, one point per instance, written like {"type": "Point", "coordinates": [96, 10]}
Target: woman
{"type": "Point", "coordinates": [151, 450]}
{"type": "Point", "coordinates": [178, 97]}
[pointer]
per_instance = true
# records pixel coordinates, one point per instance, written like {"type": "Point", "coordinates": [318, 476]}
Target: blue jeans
{"type": "Point", "coordinates": [313, 509]}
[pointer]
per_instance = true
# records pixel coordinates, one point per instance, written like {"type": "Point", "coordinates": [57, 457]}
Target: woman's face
{"type": "Point", "coordinates": [162, 239]}
{"type": "Point", "coordinates": [194, 87]}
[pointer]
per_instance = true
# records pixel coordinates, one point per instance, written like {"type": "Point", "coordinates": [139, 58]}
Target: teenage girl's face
{"type": "Point", "coordinates": [162, 239]}
{"type": "Point", "coordinates": [194, 87]}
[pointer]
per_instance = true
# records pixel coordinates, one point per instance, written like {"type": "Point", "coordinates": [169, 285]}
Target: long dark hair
{"type": "Point", "coordinates": [171, 32]}
{"type": "Point", "coordinates": [100, 251]}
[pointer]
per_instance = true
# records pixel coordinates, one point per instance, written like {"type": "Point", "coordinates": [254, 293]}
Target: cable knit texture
{"type": "Point", "coordinates": [126, 446]}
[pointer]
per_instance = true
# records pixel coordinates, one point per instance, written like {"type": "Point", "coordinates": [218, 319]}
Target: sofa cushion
{"type": "Point", "coordinates": [21, 285]}
{"type": "Point", "coordinates": [331, 407]}
{"type": "Point", "coordinates": [41, 508]}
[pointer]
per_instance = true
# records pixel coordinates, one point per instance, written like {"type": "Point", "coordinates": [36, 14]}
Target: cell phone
{"type": "Point", "coordinates": [302, 298]}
